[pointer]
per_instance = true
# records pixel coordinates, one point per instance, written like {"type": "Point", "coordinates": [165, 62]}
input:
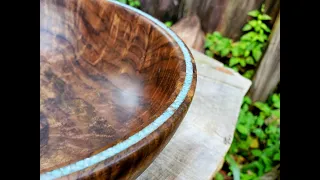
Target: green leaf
{"type": "Point", "coordinates": [207, 44]}
{"type": "Point", "coordinates": [245, 107]}
{"type": "Point", "coordinates": [260, 121]}
{"type": "Point", "coordinates": [217, 34]}
{"type": "Point", "coordinates": [219, 176]}
{"type": "Point", "coordinates": [169, 24]}
{"type": "Point", "coordinates": [253, 23]}
{"type": "Point", "coordinates": [267, 162]}
{"type": "Point", "coordinates": [248, 74]}
{"type": "Point", "coordinates": [276, 113]}
{"type": "Point", "coordinates": [235, 69]}
{"type": "Point", "coordinates": [249, 60]}
{"type": "Point", "coordinates": [257, 53]}
{"type": "Point", "coordinates": [237, 50]}
{"type": "Point", "coordinates": [263, 107]}
{"type": "Point", "coordinates": [256, 152]}
{"type": "Point", "coordinates": [138, 4]}
{"type": "Point", "coordinates": [247, 27]}
{"type": "Point", "coordinates": [225, 52]}
{"type": "Point", "coordinates": [246, 53]}
{"type": "Point", "coordinates": [247, 100]}
{"type": "Point", "coordinates": [265, 17]}
{"type": "Point", "coordinates": [254, 13]}
{"type": "Point", "coordinates": [123, 1]}
{"type": "Point", "coordinates": [276, 157]}
{"type": "Point", "coordinates": [242, 129]}
{"type": "Point", "coordinates": [233, 166]}
{"type": "Point", "coordinates": [275, 98]}
{"type": "Point", "coordinates": [242, 62]}
{"type": "Point", "coordinates": [248, 36]}
{"type": "Point", "coordinates": [259, 133]}
{"type": "Point", "coordinates": [261, 37]}
{"type": "Point", "coordinates": [277, 104]}
{"type": "Point", "coordinates": [209, 53]}
{"type": "Point", "coordinates": [233, 61]}
{"type": "Point", "coordinates": [265, 27]}
{"type": "Point", "coordinates": [269, 152]}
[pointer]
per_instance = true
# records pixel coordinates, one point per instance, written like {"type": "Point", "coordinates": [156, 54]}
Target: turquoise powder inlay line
{"type": "Point", "coordinates": [82, 164]}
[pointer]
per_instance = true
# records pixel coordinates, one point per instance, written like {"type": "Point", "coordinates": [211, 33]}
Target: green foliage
{"type": "Point", "coordinates": [256, 145]}
{"type": "Point", "coordinates": [168, 23]}
{"type": "Point", "coordinates": [133, 3]}
{"type": "Point", "coordinates": [243, 55]}
{"type": "Point", "coordinates": [219, 176]}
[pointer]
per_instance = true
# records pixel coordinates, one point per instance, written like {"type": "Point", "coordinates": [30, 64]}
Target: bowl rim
{"type": "Point", "coordinates": [146, 131]}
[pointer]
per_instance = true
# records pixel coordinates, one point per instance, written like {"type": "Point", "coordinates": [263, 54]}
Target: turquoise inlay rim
{"type": "Point", "coordinates": [82, 164]}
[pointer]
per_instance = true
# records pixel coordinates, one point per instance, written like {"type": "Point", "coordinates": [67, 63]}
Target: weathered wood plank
{"type": "Point", "coordinates": [198, 147]}
{"type": "Point", "coordinates": [267, 76]}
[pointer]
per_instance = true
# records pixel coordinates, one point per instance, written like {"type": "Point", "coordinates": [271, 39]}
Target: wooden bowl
{"type": "Point", "coordinates": [115, 84]}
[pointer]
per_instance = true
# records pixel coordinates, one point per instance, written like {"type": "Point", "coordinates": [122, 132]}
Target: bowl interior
{"type": "Point", "coordinates": [106, 72]}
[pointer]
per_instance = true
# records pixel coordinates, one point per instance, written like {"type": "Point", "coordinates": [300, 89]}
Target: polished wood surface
{"type": "Point", "coordinates": [105, 74]}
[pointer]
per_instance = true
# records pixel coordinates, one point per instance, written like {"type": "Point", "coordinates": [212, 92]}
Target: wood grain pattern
{"type": "Point", "coordinates": [106, 72]}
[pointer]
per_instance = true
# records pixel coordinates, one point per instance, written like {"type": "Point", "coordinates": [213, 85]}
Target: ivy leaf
{"type": "Point", "coordinates": [249, 60]}
{"type": "Point", "coordinates": [254, 13]}
{"type": "Point", "coordinates": [233, 61]}
{"type": "Point", "coordinates": [265, 17]}
{"type": "Point", "coordinates": [247, 27]}
{"type": "Point", "coordinates": [257, 53]}
{"type": "Point", "coordinates": [277, 104]}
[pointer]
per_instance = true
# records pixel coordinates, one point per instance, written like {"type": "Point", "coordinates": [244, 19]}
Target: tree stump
{"type": "Point", "coordinates": [189, 30]}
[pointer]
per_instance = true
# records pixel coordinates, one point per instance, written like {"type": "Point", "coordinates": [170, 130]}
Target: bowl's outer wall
{"type": "Point", "coordinates": [133, 161]}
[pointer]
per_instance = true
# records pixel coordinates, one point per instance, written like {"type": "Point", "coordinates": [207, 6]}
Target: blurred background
{"type": "Point", "coordinates": [245, 36]}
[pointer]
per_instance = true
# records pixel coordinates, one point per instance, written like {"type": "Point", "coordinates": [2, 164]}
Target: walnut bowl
{"type": "Point", "coordinates": [115, 84]}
